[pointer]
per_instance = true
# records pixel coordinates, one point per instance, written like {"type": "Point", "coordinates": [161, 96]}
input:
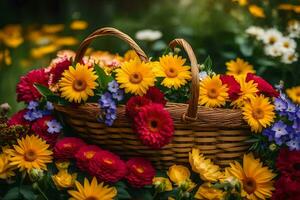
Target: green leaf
{"type": "Point", "coordinates": [12, 194]}
{"type": "Point", "coordinates": [207, 64]}
{"type": "Point", "coordinates": [43, 90]}
{"type": "Point", "coordinates": [122, 193]}
{"type": "Point", "coordinates": [103, 78]}
{"type": "Point", "coordinates": [27, 192]}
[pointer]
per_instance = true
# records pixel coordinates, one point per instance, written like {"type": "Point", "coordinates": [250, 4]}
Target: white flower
{"type": "Point", "coordinates": [202, 75]}
{"type": "Point", "coordinates": [273, 50]}
{"type": "Point", "coordinates": [294, 29]}
{"type": "Point", "coordinates": [255, 31]}
{"type": "Point", "coordinates": [289, 57]}
{"type": "Point", "coordinates": [287, 44]}
{"type": "Point", "coordinates": [271, 36]}
{"type": "Point", "coordinates": [148, 35]}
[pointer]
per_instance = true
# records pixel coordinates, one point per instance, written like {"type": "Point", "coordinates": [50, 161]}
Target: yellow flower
{"type": "Point", "coordinates": [66, 41]}
{"type": "Point", "coordinates": [39, 52]}
{"type": "Point", "coordinates": [205, 167]}
{"type": "Point", "coordinates": [52, 28]}
{"type": "Point", "coordinates": [79, 25]}
{"type": "Point", "coordinates": [6, 170]}
{"type": "Point", "coordinates": [93, 191]}
{"type": "Point", "coordinates": [258, 113]}
{"type": "Point", "coordinates": [241, 2]}
{"type": "Point", "coordinates": [175, 73]}
{"type": "Point", "coordinates": [5, 56]}
{"type": "Point", "coordinates": [248, 91]}
{"type": "Point", "coordinates": [162, 183]}
{"type": "Point", "coordinates": [256, 11]}
{"type": "Point", "coordinates": [63, 179]}
{"type": "Point", "coordinates": [207, 192]}
{"type": "Point", "coordinates": [256, 180]}
{"type": "Point", "coordinates": [130, 55]}
{"type": "Point", "coordinates": [212, 92]}
{"type": "Point", "coordinates": [30, 152]}
{"type": "Point", "coordinates": [11, 35]}
{"type": "Point", "coordinates": [239, 67]}
{"type": "Point", "coordinates": [61, 165]}
{"type": "Point", "coordinates": [78, 83]}
{"type": "Point", "coordinates": [135, 77]}
{"type": "Point", "coordinates": [286, 6]}
{"type": "Point", "coordinates": [179, 174]}
{"type": "Point", "coordinates": [294, 94]}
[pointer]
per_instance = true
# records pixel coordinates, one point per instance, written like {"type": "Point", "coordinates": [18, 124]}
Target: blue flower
{"type": "Point", "coordinates": [54, 126]}
{"type": "Point", "coordinates": [296, 125]}
{"type": "Point", "coordinates": [32, 105]}
{"type": "Point", "coordinates": [49, 106]}
{"type": "Point", "coordinates": [105, 100]}
{"type": "Point", "coordinates": [280, 105]}
{"type": "Point", "coordinates": [108, 108]}
{"type": "Point", "coordinates": [113, 86]}
{"type": "Point", "coordinates": [32, 115]}
{"type": "Point", "coordinates": [291, 110]}
{"type": "Point", "coordinates": [294, 144]}
{"type": "Point", "coordinates": [118, 95]}
{"type": "Point", "coordinates": [280, 129]}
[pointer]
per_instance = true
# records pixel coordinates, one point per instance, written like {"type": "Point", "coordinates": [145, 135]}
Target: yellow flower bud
{"type": "Point", "coordinates": [64, 180]}
{"type": "Point", "coordinates": [162, 184]}
{"type": "Point", "coordinates": [205, 191]}
{"type": "Point", "coordinates": [178, 174]}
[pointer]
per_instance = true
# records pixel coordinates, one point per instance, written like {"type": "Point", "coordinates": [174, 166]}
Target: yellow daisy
{"type": "Point", "coordinates": [6, 170]}
{"type": "Point", "coordinates": [212, 92]}
{"type": "Point", "coordinates": [175, 73]}
{"type": "Point", "coordinates": [256, 180]}
{"type": "Point", "coordinates": [130, 55]}
{"type": "Point", "coordinates": [135, 77]}
{"type": "Point", "coordinates": [207, 192]}
{"type": "Point", "coordinates": [257, 11]}
{"type": "Point", "coordinates": [31, 152]}
{"type": "Point", "coordinates": [248, 91]}
{"type": "Point", "coordinates": [258, 113]}
{"type": "Point", "coordinates": [294, 94]}
{"type": "Point", "coordinates": [205, 167]}
{"type": "Point", "coordinates": [93, 191]}
{"type": "Point", "coordinates": [78, 25]}
{"type": "Point", "coordinates": [77, 83]}
{"type": "Point", "coordinates": [239, 67]}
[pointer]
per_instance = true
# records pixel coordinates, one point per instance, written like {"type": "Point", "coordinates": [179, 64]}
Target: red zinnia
{"type": "Point", "coordinates": [154, 125]}
{"type": "Point", "coordinates": [233, 86]}
{"type": "Point", "coordinates": [140, 172]}
{"type": "Point", "coordinates": [25, 88]}
{"type": "Point", "coordinates": [58, 68]}
{"type": "Point", "coordinates": [156, 96]}
{"type": "Point", "coordinates": [84, 155]}
{"type": "Point", "coordinates": [67, 147]}
{"type": "Point", "coordinates": [286, 187]}
{"type": "Point", "coordinates": [288, 162]}
{"type": "Point", "coordinates": [107, 167]}
{"type": "Point", "coordinates": [40, 128]}
{"type": "Point", "coordinates": [263, 86]}
{"type": "Point", "coordinates": [18, 119]}
{"type": "Point", "coordinates": [134, 104]}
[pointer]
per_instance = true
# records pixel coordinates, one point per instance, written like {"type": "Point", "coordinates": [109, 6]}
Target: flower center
{"type": "Point", "coordinates": [139, 169]}
{"type": "Point", "coordinates": [153, 125]}
{"type": "Point", "coordinates": [89, 154]}
{"type": "Point", "coordinates": [136, 78]}
{"type": "Point", "coordinates": [171, 72]}
{"type": "Point", "coordinates": [30, 155]}
{"type": "Point", "coordinates": [91, 198]}
{"type": "Point", "coordinates": [258, 113]}
{"type": "Point", "coordinates": [291, 57]}
{"type": "Point", "coordinates": [286, 45]}
{"type": "Point", "coordinates": [212, 93]}
{"type": "Point", "coordinates": [108, 161]}
{"type": "Point", "coordinates": [79, 85]}
{"type": "Point", "coordinates": [298, 94]}
{"type": "Point", "coordinates": [249, 185]}
{"type": "Point", "coordinates": [272, 40]}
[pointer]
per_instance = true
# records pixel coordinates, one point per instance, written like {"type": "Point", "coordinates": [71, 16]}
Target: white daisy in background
{"type": "Point", "coordinates": [294, 29]}
{"type": "Point", "coordinates": [255, 31]}
{"type": "Point", "coordinates": [148, 35]}
{"type": "Point", "coordinates": [271, 36]}
{"type": "Point", "coordinates": [287, 44]}
{"type": "Point", "coordinates": [289, 57]}
{"type": "Point", "coordinates": [273, 50]}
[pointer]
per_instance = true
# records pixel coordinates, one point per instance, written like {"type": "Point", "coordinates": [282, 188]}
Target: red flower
{"type": "Point", "coordinates": [287, 188]}
{"type": "Point", "coordinates": [233, 86]}
{"type": "Point", "coordinates": [107, 167]}
{"type": "Point", "coordinates": [263, 86]}
{"type": "Point", "coordinates": [288, 162]}
{"type": "Point", "coordinates": [154, 125]}
{"type": "Point", "coordinates": [18, 119]}
{"type": "Point", "coordinates": [84, 155]}
{"type": "Point", "coordinates": [140, 172]}
{"type": "Point", "coordinates": [134, 104]}
{"type": "Point", "coordinates": [25, 88]}
{"type": "Point", "coordinates": [156, 96]}
{"type": "Point", "coordinates": [67, 147]}
{"type": "Point", "coordinates": [57, 70]}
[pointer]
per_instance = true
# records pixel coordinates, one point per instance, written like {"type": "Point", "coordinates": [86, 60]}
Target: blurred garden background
{"type": "Point", "coordinates": [32, 32]}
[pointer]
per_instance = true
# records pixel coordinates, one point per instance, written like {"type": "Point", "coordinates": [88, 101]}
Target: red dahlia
{"type": "Point", "coordinates": [67, 147]}
{"type": "Point", "coordinates": [84, 155]}
{"type": "Point", "coordinates": [156, 96]}
{"type": "Point", "coordinates": [288, 162]}
{"type": "Point", "coordinates": [18, 119]}
{"type": "Point", "coordinates": [233, 86]}
{"type": "Point", "coordinates": [287, 188]}
{"type": "Point", "coordinates": [140, 172]}
{"type": "Point", "coordinates": [154, 125]}
{"type": "Point", "coordinates": [107, 167]}
{"type": "Point", "coordinates": [263, 86]}
{"type": "Point", "coordinates": [134, 104]}
{"type": "Point", "coordinates": [58, 68]}
{"type": "Point", "coordinates": [25, 88]}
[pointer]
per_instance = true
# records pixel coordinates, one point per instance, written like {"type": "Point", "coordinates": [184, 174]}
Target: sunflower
{"type": "Point", "coordinates": [212, 92]}
{"type": "Point", "coordinates": [294, 94]}
{"type": "Point", "coordinates": [239, 67]}
{"type": "Point", "coordinates": [256, 180]}
{"type": "Point", "coordinates": [30, 153]}
{"type": "Point", "coordinates": [135, 77]}
{"type": "Point", "coordinates": [6, 170]}
{"type": "Point", "coordinates": [93, 191]}
{"type": "Point", "coordinates": [173, 70]}
{"type": "Point", "coordinates": [77, 83]}
{"type": "Point", "coordinates": [257, 11]}
{"type": "Point", "coordinates": [248, 91]}
{"type": "Point", "coordinates": [130, 55]}
{"type": "Point", "coordinates": [259, 113]}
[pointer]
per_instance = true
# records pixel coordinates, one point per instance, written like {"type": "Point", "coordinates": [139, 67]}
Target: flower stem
{"type": "Point", "coordinates": [40, 191]}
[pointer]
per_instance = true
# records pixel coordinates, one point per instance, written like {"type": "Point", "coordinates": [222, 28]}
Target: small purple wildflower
{"type": "Point", "coordinates": [32, 105]}
{"type": "Point", "coordinates": [113, 86]}
{"type": "Point", "coordinates": [54, 126]}
{"type": "Point", "coordinates": [49, 106]}
{"type": "Point", "coordinates": [32, 115]}
{"type": "Point", "coordinates": [118, 95]}
{"type": "Point", "coordinates": [280, 129]}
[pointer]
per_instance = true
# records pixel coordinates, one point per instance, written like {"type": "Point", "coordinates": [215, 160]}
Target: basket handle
{"type": "Point", "coordinates": [191, 113]}
{"type": "Point", "coordinates": [111, 32]}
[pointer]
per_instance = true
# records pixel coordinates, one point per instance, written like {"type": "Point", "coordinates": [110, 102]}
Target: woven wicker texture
{"type": "Point", "coordinates": [221, 134]}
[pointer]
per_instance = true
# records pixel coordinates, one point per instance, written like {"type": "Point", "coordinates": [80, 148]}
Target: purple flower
{"type": "Point", "coordinates": [32, 115]}
{"type": "Point", "coordinates": [280, 105]}
{"type": "Point", "coordinates": [49, 106]}
{"type": "Point", "coordinates": [291, 110]}
{"type": "Point", "coordinates": [280, 129]}
{"type": "Point", "coordinates": [294, 144]}
{"type": "Point", "coordinates": [296, 125]}
{"type": "Point", "coordinates": [105, 100]}
{"type": "Point", "coordinates": [113, 86]}
{"type": "Point", "coordinates": [118, 95]}
{"type": "Point", "coordinates": [54, 126]}
{"type": "Point", "coordinates": [32, 105]}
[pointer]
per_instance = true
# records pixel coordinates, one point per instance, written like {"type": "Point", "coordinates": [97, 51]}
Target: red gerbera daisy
{"type": "Point", "coordinates": [25, 88]}
{"type": "Point", "coordinates": [58, 68]}
{"type": "Point", "coordinates": [263, 86]}
{"type": "Point", "coordinates": [18, 119]}
{"type": "Point", "coordinates": [154, 125]}
{"type": "Point", "coordinates": [140, 172]}
{"type": "Point", "coordinates": [134, 104]}
{"type": "Point", "coordinates": [67, 147]}
{"type": "Point", "coordinates": [156, 96]}
{"type": "Point", "coordinates": [233, 86]}
{"type": "Point", "coordinates": [84, 155]}
{"type": "Point", "coordinates": [107, 167]}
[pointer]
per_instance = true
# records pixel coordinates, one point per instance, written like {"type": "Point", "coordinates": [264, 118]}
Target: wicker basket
{"type": "Point", "coordinates": [221, 134]}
